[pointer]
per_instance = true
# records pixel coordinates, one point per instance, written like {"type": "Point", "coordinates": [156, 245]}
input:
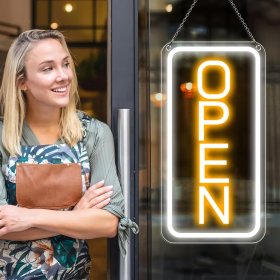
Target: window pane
{"type": "Point", "coordinates": [81, 15]}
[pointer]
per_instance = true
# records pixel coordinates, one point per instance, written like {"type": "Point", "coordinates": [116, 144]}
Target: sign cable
{"type": "Point", "coordinates": [245, 26]}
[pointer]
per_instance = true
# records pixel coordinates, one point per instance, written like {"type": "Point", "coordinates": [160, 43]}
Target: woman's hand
{"type": "Point", "coordinates": [13, 219]}
{"type": "Point", "coordinates": [97, 196]}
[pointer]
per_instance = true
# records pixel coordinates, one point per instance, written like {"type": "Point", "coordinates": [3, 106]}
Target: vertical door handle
{"type": "Point", "coordinates": [124, 170]}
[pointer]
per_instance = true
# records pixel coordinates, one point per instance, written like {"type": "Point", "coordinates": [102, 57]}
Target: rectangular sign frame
{"type": "Point", "coordinates": [222, 235]}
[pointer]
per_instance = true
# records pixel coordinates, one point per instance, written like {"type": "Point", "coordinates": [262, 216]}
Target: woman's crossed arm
{"type": "Point", "coordinates": [87, 220]}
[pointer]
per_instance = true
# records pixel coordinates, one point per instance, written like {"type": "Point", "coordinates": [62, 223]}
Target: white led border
{"type": "Point", "coordinates": [257, 168]}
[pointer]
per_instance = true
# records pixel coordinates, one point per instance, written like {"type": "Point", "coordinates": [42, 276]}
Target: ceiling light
{"type": "Point", "coordinates": [68, 8]}
{"type": "Point", "coordinates": [54, 25]}
{"type": "Point", "coordinates": [169, 8]}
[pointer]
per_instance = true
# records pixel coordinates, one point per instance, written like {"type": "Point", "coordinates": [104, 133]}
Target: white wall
{"type": "Point", "coordinates": [16, 12]}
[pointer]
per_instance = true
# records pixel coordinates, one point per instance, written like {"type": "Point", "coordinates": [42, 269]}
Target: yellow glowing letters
{"type": "Point", "coordinates": [205, 144]}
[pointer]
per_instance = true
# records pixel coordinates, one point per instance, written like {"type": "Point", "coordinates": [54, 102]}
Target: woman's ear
{"type": "Point", "coordinates": [23, 86]}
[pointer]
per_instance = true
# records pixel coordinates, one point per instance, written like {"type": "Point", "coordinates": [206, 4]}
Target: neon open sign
{"type": "Point", "coordinates": [205, 144]}
{"type": "Point", "coordinates": [213, 186]}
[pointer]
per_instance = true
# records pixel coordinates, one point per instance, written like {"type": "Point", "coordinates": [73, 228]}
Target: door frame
{"type": "Point", "coordinates": [123, 94]}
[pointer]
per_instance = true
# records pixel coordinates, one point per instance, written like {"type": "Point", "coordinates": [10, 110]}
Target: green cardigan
{"type": "Point", "coordinates": [100, 148]}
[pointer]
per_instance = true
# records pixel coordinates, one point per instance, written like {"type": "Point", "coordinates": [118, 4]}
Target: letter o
{"type": "Point", "coordinates": [200, 88]}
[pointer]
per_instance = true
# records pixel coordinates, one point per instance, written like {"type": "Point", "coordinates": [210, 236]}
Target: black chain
{"type": "Point", "coordinates": [242, 21]}
{"type": "Point", "coordinates": [183, 22]}
{"type": "Point", "coordinates": [168, 47]}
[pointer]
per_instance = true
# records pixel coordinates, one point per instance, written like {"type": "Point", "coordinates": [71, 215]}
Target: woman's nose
{"type": "Point", "coordinates": [62, 74]}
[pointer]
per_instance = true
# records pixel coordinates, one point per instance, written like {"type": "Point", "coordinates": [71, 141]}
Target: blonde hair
{"type": "Point", "coordinates": [12, 101]}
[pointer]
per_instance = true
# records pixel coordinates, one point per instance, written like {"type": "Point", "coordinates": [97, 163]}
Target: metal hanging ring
{"type": "Point", "coordinates": [258, 47]}
{"type": "Point", "coordinates": [168, 47]}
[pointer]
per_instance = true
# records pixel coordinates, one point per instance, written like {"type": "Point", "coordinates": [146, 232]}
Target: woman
{"type": "Point", "coordinates": [41, 127]}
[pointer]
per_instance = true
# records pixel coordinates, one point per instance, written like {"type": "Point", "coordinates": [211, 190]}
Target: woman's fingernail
{"type": "Point", "coordinates": [102, 182]}
{"type": "Point", "coordinates": [110, 192]}
{"type": "Point", "coordinates": [110, 187]}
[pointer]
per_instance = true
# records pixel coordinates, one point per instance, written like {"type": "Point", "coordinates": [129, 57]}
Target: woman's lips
{"type": "Point", "coordinates": [60, 90]}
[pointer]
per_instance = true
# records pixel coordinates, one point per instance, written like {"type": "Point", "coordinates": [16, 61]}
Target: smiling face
{"type": "Point", "coordinates": [48, 76]}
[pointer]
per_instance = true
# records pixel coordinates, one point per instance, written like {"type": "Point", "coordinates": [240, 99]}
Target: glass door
{"type": "Point", "coordinates": [210, 21]}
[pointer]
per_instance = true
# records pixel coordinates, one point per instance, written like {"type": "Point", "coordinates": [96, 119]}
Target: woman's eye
{"type": "Point", "coordinates": [66, 64]}
{"type": "Point", "coordinates": [47, 69]}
